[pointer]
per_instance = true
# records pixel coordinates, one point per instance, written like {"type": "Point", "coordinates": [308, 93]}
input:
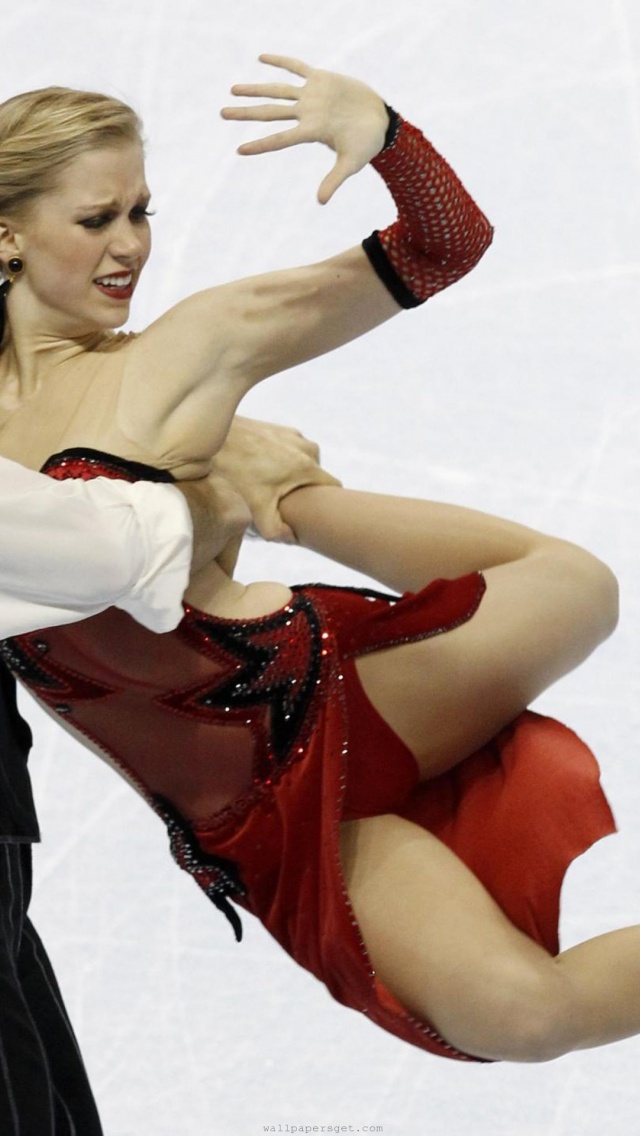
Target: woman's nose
{"type": "Point", "coordinates": [128, 242]}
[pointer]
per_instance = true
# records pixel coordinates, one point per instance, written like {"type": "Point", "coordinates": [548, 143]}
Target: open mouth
{"type": "Point", "coordinates": [119, 285]}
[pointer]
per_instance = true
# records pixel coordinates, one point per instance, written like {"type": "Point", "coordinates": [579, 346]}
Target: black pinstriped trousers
{"type": "Point", "coordinates": [44, 1089]}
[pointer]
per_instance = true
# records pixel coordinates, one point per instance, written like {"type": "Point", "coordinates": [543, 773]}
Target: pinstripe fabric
{"type": "Point", "coordinates": [44, 1089]}
{"type": "Point", "coordinates": [18, 821]}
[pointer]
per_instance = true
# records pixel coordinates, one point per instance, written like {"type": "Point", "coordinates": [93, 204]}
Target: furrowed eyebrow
{"type": "Point", "coordinates": [105, 206]}
{"type": "Point", "coordinates": [98, 205]}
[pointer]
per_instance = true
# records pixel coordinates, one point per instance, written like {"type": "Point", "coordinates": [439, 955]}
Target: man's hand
{"type": "Point", "coordinates": [220, 516]}
{"type": "Point", "coordinates": [264, 462]}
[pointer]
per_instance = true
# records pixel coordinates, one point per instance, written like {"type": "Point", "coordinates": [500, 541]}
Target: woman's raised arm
{"type": "Point", "coordinates": [209, 350]}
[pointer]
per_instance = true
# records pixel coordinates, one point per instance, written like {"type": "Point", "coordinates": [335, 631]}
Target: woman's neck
{"type": "Point", "coordinates": [38, 339]}
{"type": "Point", "coordinates": [27, 359]}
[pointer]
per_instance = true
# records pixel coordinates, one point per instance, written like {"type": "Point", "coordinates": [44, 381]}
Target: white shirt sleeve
{"type": "Point", "coordinates": [69, 549]}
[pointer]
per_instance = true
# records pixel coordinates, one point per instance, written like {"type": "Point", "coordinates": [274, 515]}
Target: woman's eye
{"type": "Point", "coordinates": [96, 222]}
{"type": "Point", "coordinates": [101, 220]}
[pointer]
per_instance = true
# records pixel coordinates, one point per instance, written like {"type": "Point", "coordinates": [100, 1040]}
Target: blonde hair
{"type": "Point", "coordinates": [42, 131]}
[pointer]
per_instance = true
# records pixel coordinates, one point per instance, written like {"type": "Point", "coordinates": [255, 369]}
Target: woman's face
{"type": "Point", "coordinates": [85, 243]}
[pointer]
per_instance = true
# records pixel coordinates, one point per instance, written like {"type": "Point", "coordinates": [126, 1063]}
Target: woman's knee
{"type": "Point", "coordinates": [521, 1015]}
{"type": "Point", "coordinates": [592, 581]}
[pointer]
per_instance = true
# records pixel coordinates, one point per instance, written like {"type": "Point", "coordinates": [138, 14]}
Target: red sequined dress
{"type": "Point", "coordinates": [254, 739]}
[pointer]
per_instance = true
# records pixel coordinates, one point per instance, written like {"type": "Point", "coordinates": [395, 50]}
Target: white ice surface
{"type": "Point", "coordinates": [516, 392]}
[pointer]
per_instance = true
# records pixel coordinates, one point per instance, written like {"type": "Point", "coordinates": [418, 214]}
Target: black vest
{"type": "Point", "coordinates": [18, 821]}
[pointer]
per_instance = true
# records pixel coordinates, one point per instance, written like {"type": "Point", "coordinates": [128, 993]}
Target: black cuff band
{"type": "Point", "coordinates": [392, 129]}
{"type": "Point", "coordinates": [387, 274]}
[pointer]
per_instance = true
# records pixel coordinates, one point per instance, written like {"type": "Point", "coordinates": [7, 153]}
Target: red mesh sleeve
{"type": "Point", "coordinates": [440, 233]}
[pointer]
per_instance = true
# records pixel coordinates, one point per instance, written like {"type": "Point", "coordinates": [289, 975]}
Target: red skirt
{"type": "Point", "coordinates": [517, 812]}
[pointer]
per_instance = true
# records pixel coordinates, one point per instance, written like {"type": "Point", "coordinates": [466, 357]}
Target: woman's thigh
{"type": "Point", "coordinates": [448, 695]}
{"type": "Point", "coordinates": [443, 947]}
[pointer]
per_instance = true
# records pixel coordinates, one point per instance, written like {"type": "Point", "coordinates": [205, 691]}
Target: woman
{"type": "Point", "coordinates": [358, 771]}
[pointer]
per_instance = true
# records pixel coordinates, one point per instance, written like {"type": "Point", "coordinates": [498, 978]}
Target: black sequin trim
{"type": "Point", "coordinates": [368, 593]}
{"type": "Point", "coordinates": [25, 667]}
{"type": "Point", "coordinates": [109, 465]}
{"type": "Point", "coordinates": [218, 878]}
{"type": "Point", "coordinates": [251, 684]}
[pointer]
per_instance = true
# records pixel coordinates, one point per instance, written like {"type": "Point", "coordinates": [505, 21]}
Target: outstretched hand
{"type": "Point", "coordinates": [340, 112]}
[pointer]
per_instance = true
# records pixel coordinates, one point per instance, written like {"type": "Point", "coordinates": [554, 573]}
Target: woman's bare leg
{"type": "Point", "coordinates": [440, 943]}
{"type": "Point", "coordinates": [435, 936]}
{"type": "Point", "coordinates": [548, 604]}
{"type": "Point", "coordinates": [405, 542]}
